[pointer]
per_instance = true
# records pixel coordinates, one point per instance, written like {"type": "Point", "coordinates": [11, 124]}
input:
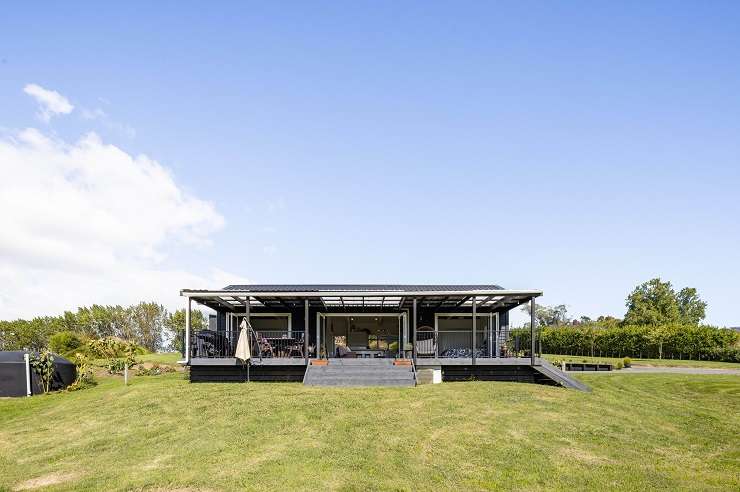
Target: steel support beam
{"type": "Point", "coordinates": [187, 330]}
{"type": "Point", "coordinates": [485, 300]}
{"type": "Point", "coordinates": [498, 335]}
{"type": "Point", "coordinates": [305, 329]}
{"type": "Point", "coordinates": [318, 335]}
{"type": "Point", "coordinates": [472, 353]}
{"type": "Point", "coordinates": [413, 325]}
{"type": "Point", "coordinates": [223, 303]}
{"type": "Point", "coordinates": [533, 308]}
{"type": "Point", "coordinates": [462, 301]}
{"type": "Point", "coordinates": [490, 335]}
{"type": "Point", "coordinates": [442, 302]}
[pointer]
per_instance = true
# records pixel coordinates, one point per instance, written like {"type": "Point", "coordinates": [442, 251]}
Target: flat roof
{"type": "Point", "coordinates": [360, 296]}
{"type": "Point", "coordinates": [359, 287]}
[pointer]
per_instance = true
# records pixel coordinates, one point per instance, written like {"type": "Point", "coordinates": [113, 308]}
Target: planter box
{"type": "Point", "coordinates": [429, 376]}
{"type": "Point", "coordinates": [587, 366]}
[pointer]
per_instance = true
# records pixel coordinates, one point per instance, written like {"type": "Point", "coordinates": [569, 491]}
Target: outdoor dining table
{"type": "Point", "coordinates": [284, 346]}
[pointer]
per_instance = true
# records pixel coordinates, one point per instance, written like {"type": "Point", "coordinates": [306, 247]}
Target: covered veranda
{"type": "Point", "coordinates": [294, 324]}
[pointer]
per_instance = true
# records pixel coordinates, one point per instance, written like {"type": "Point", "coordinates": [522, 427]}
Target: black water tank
{"type": "Point", "coordinates": [13, 374]}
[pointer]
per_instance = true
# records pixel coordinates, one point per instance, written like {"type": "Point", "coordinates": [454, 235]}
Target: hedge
{"type": "Point", "coordinates": [645, 342]}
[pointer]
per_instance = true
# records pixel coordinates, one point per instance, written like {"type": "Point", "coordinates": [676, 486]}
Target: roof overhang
{"type": "Point", "coordinates": [347, 300]}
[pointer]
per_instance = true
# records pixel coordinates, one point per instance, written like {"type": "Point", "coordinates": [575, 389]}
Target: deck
{"type": "Point", "coordinates": [510, 369]}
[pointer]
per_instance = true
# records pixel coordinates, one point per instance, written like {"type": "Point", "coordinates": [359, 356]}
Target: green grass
{"type": "Point", "coordinates": [633, 432]}
{"type": "Point", "coordinates": [647, 362]}
{"type": "Point", "coordinates": [162, 358]}
{"type": "Point", "coordinates": [168, 358]}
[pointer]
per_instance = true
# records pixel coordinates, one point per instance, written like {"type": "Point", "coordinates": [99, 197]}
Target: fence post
{"type": "Point", "coordinates": [27, 360]}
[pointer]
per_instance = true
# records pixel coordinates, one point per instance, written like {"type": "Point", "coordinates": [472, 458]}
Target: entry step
{"type": "Point", "coordinates": [359, 372]}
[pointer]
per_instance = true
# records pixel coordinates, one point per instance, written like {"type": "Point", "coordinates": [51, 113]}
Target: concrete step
{"type": "Point", "coordinates": [331, 377]}
{"type": "Point", "coordinates": [368, 370]}
{"type": "Point", "coordinates": [363, 383]}
{"type": "Point", "coordinates": [359, 372]}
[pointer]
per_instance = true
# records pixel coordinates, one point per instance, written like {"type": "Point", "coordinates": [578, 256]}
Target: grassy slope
{"type": "Point", "coordinates": [632, 432]}
{"type": "Point", "coordinates": [161, 358]}
{"type": "Point", "coordinates": [648, 362]}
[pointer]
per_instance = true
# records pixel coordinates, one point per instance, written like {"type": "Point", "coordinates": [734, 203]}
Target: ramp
{"type": "Point", "coordinates": [551, 372]}
{"type": "Point", "coordinates": [359, 372]}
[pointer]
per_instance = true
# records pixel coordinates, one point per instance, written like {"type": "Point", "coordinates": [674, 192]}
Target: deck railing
{"type": "Point", "coordinates": [211, 344]}
{"type": "Point", "coordinates": [456, 344]}
{"type": "Point", "coordinates": [449, 344]}
{"type": "Point", "coordinates": [279, 344]}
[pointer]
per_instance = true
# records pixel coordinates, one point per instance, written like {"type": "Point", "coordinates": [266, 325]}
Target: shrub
{"type": "Point", "coordinates": [627, 362]}
{"type": "Point", "coordinates": [155, 370]}
{"type": "Point", "coordinates": [118, 353]}
{"type": "Point", "coordinates": [43, 365]}
{"type": "Point", "coordinates": [107, 348]}
{"type": "Point", "coordinates": [85, 376]}
{"type": "Point", "coordinates": [664, 341]}
{"type": "Point", "coordinates": [619, 365]}
{"type": "Point", "coordinates": [65, 343]}
{"type": "Point", "coordinates": [726, 354]}
{"type": "Point", "coordinates": [115, 366]}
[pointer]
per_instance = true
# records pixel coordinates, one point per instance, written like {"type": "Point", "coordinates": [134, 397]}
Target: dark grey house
{"type": "Point", "coordinates": [364, 334]}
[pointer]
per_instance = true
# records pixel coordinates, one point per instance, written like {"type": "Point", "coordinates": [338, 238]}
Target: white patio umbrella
{"type": "Point", "coordinates": [243, 351]}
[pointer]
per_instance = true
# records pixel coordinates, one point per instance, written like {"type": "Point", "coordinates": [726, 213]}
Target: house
{"type": "Point", "coordinates": [364, 334]}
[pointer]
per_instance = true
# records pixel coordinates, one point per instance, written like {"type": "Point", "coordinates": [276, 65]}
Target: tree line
{"type": "Point", "coordinates": [697, 342]}
{"type": "Point", "coordinates": [652, 303]}
{"type": "Point", "coordinates": [660, 322]}
{"type": "Point", "coordinates": [148, 324]}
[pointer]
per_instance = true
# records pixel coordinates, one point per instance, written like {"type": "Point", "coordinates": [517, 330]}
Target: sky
{"type": "Point", "coordinates": [580, 148]}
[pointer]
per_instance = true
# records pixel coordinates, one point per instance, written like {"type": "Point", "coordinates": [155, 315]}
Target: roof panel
{"type": "Point", "coordinates": [394, 288]}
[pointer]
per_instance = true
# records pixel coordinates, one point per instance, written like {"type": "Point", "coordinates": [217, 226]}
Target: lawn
{"type": "Point", "coordinates": [633, 432]}
{"type": "Point", "coordinates": [707, 364]}
{"type": "Point", "coordinates": [161, 358]}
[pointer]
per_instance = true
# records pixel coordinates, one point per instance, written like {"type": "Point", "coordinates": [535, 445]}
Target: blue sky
{"type": "Point", "coordinates": [576, 147]}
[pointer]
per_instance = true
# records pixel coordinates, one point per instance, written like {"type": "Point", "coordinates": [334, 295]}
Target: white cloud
{"type": "Point", "coordinates": [51, 103]}
{"type": "Point", "coordinates": [93, 114]}
{"type": "Point", "coordinates": [86, 222]}
{"type": "Point", "coordinates": [102, 117]}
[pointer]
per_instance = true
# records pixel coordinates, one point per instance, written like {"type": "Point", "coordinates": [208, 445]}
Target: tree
{"type": "Point", "coordinates": [656, 303]}
{"type": "Point", "coordinates": [148, 322]}
{"type": "Point", "coordinates": [65, 342]}
{"type": "Point", "coordinates": [31, 335]}
{"type": "Point", "coordinates": [101, 321]}
{"type": "Point", "coordinates": [548, 315]}
{"type": "Point", "coordinates": [175, 326]}
{"type": "Point", "coordinates": [690, 306]}
{"type": "Point", "coordinates": [608, 321]}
